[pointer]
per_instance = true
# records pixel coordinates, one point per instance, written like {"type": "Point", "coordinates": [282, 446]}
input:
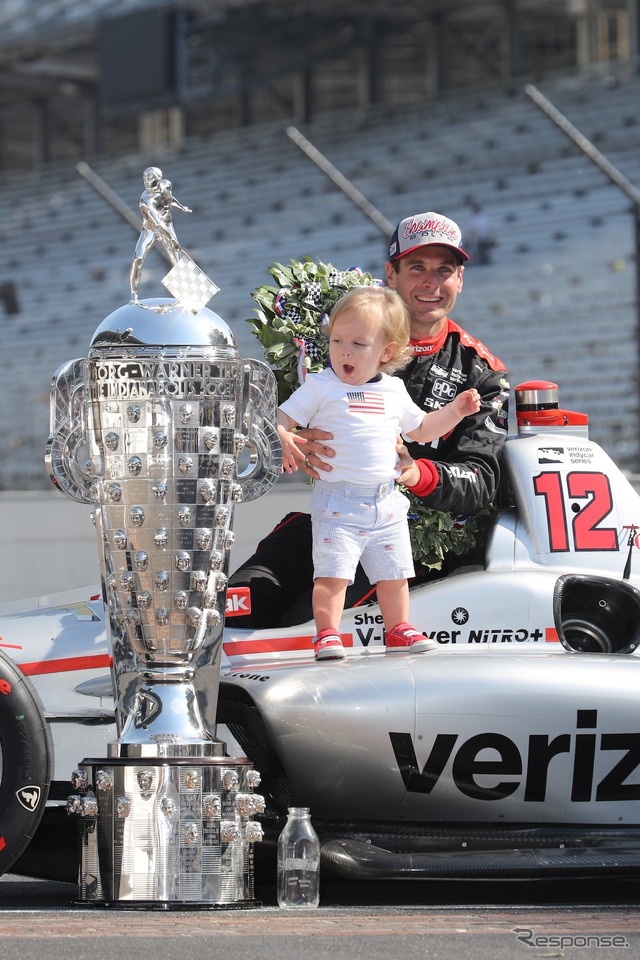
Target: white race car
{"type": "Point", "coordinates": [512, 749]}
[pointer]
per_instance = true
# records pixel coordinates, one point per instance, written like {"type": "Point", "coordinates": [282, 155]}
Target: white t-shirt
{"type": "Point", "coordinates": [364, 420]}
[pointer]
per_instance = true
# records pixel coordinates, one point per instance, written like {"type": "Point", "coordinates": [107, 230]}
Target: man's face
{"type": "Point", "coordinates": [428, 280]}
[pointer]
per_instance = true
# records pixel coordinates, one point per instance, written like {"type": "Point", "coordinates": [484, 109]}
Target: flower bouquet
{"type": "Point", "coordinates": [291, 324]}
{"type": "Point", "coordinates": [292, 319]}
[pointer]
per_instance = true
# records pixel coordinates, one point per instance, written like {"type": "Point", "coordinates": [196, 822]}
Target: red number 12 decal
{"type": "Point", "coordinates": [587, 535]}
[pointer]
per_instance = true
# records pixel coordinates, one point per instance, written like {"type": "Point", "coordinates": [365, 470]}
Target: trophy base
{"type": "Point", "coordinates": [167, 833]}
{"type": "Point", "coordinates": [167, 905]}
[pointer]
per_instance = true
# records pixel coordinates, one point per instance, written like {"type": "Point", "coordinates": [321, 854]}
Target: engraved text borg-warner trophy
{"type": "Point", "coordinates": [153, 428]}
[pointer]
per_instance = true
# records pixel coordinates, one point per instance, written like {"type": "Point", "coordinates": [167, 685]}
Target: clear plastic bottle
{"type": "Point", "coordinates": [298, 861]}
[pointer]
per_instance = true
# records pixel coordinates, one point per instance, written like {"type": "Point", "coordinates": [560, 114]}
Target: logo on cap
{"type": "Point", "coordinates": [423, 229]}
{"type": "Point", "coordinates": [441, 229]}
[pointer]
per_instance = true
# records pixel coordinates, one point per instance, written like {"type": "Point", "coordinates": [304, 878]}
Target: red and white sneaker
{"type": "Point", "coordinates": [328, 646]}
{"type": "Point", "coordinates": [406, 639]}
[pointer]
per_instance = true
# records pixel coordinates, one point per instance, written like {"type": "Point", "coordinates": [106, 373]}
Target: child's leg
{"type": "Point", "coordinates": [400, 636]}
{"type": "Point", "coordinates": [328, 602]}
{"type": "Point", "coordinates": [393, 597]}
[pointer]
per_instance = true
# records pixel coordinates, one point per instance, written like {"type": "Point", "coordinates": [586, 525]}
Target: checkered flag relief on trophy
{"type": "Point", "coordinates": [189, 284]}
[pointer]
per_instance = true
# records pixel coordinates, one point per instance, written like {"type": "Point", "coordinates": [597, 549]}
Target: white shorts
{"type": "Point", "coordinates": [354, 523]}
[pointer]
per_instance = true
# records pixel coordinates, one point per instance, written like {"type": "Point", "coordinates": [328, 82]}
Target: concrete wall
{"type": "Point", "coordinates": [48, 542]}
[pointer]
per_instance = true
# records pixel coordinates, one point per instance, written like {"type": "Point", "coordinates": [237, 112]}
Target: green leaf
{"type": "Point", "coordinates": [434, 533]}
{"type": "Point", "coordinates": [276, 334]}
{"type": "Point", "coordinates": [282, 275]}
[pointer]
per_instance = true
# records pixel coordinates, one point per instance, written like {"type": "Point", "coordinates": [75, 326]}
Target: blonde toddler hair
{"type": "Point", "coordinates": [385, 306]}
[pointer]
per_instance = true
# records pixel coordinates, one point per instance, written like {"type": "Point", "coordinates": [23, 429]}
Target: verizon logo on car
{"type": "Point", "coordinates": [527, 767]}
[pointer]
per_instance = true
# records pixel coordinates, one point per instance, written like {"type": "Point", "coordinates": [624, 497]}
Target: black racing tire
{"type": "Point", "coordinates": [26, 760]}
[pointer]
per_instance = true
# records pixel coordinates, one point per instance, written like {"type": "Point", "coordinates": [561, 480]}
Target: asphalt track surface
{"type": "Point", "coordinates": [40, 920]}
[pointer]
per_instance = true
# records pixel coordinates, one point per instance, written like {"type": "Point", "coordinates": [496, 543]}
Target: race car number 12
{"type": "Point", "coordinates": [584, 528]}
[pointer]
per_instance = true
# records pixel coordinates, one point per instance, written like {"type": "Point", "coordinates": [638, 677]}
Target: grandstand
{"type": "Point", "coordinates": [558, 301]}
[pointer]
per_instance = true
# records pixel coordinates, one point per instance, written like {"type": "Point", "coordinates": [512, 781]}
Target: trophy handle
{"type": "Point", "coordinates": [68, 432]}
{"type": "Point", "coordinates": [261, 440]}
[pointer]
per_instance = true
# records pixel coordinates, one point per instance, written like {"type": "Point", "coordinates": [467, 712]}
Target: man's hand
{"type": "Point", "coordinates": [315, 450]}
{"type": "Point", "coordinates": [409, 470]}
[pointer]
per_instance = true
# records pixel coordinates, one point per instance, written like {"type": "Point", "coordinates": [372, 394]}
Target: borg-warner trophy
{"type": "Point", "coordinates": [163, 428]}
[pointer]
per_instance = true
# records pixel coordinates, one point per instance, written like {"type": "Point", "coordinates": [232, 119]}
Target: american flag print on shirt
{"type": "Point", "coordinates": [365, 401]}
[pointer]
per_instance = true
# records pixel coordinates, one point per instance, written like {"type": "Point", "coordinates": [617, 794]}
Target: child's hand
{"type": "Point", "coordinates": [289, 463]}
{"type": "Point", "coordinates": [291, 453]}
{"type": "Point", "coordinates": [467, 402]}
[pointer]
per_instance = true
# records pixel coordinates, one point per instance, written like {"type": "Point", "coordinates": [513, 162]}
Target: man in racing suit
{"type": "Point", "coordinates": [458, 473]}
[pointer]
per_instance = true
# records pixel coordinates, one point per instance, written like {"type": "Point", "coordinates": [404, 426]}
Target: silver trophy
{"type": "Point", "coordinates": [164, 429]}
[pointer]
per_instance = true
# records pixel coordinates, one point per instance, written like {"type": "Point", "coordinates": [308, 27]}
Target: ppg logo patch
{"type": "Point", "coordinates": [29, 797]}
{"type": "Point", "coordinates": [444, 390]}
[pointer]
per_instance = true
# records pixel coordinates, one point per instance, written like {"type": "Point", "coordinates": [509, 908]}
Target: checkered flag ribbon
{"type": "Point", "coordinates": [191, 287]}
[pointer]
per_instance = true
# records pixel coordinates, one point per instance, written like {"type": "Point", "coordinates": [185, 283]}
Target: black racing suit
{"type": "Point", "coordinates": [459, 474]}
